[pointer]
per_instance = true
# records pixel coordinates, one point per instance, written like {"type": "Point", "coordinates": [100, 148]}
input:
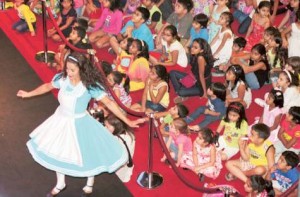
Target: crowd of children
{"type": "Point", "coordinates": [194, 43]}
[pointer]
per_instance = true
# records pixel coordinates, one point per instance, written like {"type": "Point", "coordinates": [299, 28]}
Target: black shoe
{"type": "Point", "coordinates": [53, 195]}
{"type": "Point", "coordinates": [201, 177]}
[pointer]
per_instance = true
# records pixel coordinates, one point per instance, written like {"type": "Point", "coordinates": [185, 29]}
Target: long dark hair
{"type": "Point", "coordinates": [259, 184]}
{"type": "Point", "coordinates": [206, 53]}
{"type": "Point", "coordinates": [89, 74]}
{"type": "Point", "coordinates": [143, 48]}
{"type": "Point", "coordinates": [118, 79]}
{"type": "Point", "coordinates": [261, 49]}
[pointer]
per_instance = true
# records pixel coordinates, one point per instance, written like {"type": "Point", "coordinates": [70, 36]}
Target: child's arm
{"type": "Point", "coordinates": [212, 113]}
{"type": "Point", "coordinates": [284, 20]}
{"type": "Point", "coordinates": [276, 122]}
{"type": "Point", "coordinates": [270, 156]}
{"type": "Point", "coordinates": [275, 7]}
{"type": "Point", "coordinates": [284, 34]}
{"type": "Point", "coordinates": [255, 67]}
{"type": "Point", "coordinates": [144, 96]}
{"type": "Point", "coordinates": [174, 55]}
{"type": "Point", "coordinates": [162, 129]}
{"type": "Point", "coordinates": [244, 150]}
{"type": "Point", "coordinates": [241, 93]}
{"type": "Point", "coordinates": [195, 153]}
{"type": "Point", "coordinates": [287, 144]}
{"type": "Point", "coordinates": [201, 68]}
{"type": "Point", "coordinates": [161, 114]}
{"type": "Point", "coordinates": [187, 45]}
{"type": "Point", "coordinates": [115, 45]}
{"type": "Point", "coordinates": [117, 92]}
{"type": "Point", "coordinates": [161, 92]}
{"type": "Point", "coordinates": [225, 38]}
{"type": "Point", "coordinates": [69, 21]}
{"type": "Point", "coordinates": [220, 128]}
{"type": "Point", "coordinates": [27, 19]}
{"type": "Point", "coordinates": [179, 155]}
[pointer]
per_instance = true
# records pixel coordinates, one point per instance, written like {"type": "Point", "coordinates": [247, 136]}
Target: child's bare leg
{"type": "Point", "coordinates": [234, 167]}
{"type": "Point", "coordinates": [96, 35]}
{"type": "Point", "coordinates": [259, 170]}
{"type": "Point", "coordinates": [56, 38]}
{"type": "Point", "coordinates": [102, 42]}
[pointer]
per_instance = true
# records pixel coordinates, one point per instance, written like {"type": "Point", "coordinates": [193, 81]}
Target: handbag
{"type": "Point", "coordinates": [189, 80]}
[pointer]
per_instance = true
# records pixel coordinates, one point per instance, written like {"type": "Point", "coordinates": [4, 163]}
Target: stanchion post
{"type": "Point", "coordinates": [149, 179]}
{"type": "Point", "coordinates": [44, 56]}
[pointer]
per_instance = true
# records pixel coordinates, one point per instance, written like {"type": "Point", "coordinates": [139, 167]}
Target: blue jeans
{"type": "Point", "coordinates": [243, 19]}
{"type": "Point", "coordinates": [155, 107]}
{"type": "Point", "coordinates": [21, 26]}
{"type": "Point", "coordinates": [196, 90]}
{"type": "Point", "coordinates": [207, 118]}
{"type": "Point", "coordinates": [252, 81]}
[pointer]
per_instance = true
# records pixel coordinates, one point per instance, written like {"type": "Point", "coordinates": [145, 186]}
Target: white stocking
{"type": "Point", "coordinates": [60, 181]}
{"type": "Point", "coordinates": [88, 188]}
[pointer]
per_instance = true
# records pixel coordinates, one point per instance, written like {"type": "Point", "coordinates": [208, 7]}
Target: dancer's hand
{"type": "Point", "coordinates": [33, 33]}
{"type": "Point", "coordinates": [135, 123]}
{"type": "Point", "coordinates": [23, 94]}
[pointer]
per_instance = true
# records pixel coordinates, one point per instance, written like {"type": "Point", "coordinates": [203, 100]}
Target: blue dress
{"type": "Point", "coordinates": [71, 141]}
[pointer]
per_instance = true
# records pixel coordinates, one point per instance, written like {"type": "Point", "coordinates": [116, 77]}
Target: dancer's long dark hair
{"type": "Point", "coordinates": [89, 74]}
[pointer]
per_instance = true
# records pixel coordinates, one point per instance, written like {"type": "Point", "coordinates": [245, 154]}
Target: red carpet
{"type": "Point", "coordinates": [172, 186]}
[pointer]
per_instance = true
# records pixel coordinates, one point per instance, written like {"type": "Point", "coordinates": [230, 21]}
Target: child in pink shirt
{"type": "Point", "coordinates": [110, 23]}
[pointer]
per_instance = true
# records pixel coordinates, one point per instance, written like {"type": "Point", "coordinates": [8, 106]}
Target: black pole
{"type": "Point", "coordinates": [44, 56]}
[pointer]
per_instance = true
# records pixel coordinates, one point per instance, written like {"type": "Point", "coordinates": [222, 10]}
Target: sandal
{"type": "Point", "coordinates": [230, 177]}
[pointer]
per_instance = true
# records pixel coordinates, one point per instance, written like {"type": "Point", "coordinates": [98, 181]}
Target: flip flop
{"type": "Point", "coordinates": [230, 177]}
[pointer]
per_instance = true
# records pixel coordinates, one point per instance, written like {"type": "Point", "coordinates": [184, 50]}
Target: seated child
{"type": "Point", "coordinates": [205, 160]}
{"type": "Point", "coordinates": [156, 92]}
{"type": "Point", "coordinates": [198, 30]}
{"type": "Point", "coordinates": [173, 55]}
{"type": "Point", "coordinates": [237, 52]}
{"type": "Point", "coordinates": [155, 20]}
{"type": "Point", "coordinates": [289, 132]}
{"type": "Point", "coordinates": [237, 88]}
{"type": "Point", "coordinates": [137, 28]}
{"type": "Point", "coordinates": [284, 173]}
{"type": "Point", "coordinates": [108, 24]}
{"type": "Point", "coordinates": [235, 126]}
{"type": "Point", "coordinates": [167, 117]}
{"type": "Point", "coordinates": [215, 107]}
{"type": "Point", "coordinates": [257, 186]}
{"type": "Point", "coordinates": [256, 157]}
{"type": "Point", "coordinates": [120, 88]}
{"type": "Point", "coordinates": [178, 143]}
{"type": "Point", "coordinates": [119, 129]}
{"type": "Point", "coordinates": [272, 113]}
{"type": "Point", "coordinates": [66, 19]}
{"type": "Point", "coordinates": [77, 39]}
{"type": "Point", "coordinates": [180, 18]}
{"type": "Point", "coordinates": [27, 18]}
{"type": "Point", "coordinates": [121, 49]}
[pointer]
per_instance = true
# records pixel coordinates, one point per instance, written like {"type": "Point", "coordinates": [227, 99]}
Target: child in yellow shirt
{"type": "Point", "coordinates": [27, 18]}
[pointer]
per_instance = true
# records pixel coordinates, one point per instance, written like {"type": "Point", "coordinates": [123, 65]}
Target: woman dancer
{"type": "Point", "coordinates": [70, 141]}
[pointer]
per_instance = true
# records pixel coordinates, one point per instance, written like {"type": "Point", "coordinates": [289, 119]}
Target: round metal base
{"type": "Point", "coordinates": [45, 57]}
{"type": "Point", "coordinates": [149, 180]}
